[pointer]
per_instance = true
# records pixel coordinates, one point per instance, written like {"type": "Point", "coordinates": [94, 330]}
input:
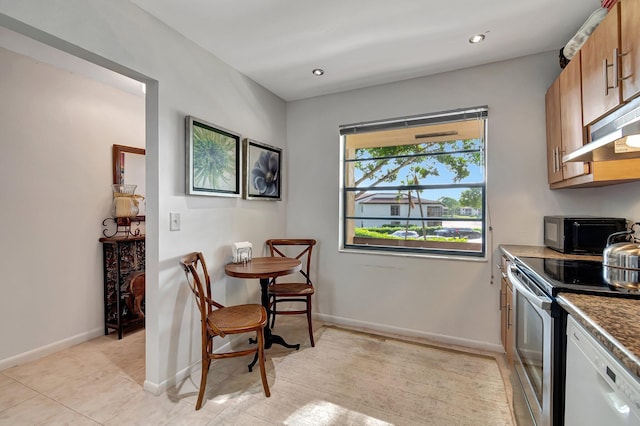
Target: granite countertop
{"type": "Point", "coordinates": [613, 321]}
{"type": "Point", "coordinates": [512, 251]}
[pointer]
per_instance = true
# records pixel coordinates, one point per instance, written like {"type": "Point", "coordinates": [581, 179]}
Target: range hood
{"type": "Point", "coordinates": [615, 137]}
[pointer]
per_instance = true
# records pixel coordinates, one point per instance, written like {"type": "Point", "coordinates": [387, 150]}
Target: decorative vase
{"type": "Point", "coordinates": [125, 201]}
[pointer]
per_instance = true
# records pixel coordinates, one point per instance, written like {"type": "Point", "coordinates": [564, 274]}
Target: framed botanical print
{"type": "Point", "coordinates": [262, 171]}
{"type": "Point", "coordinates": [213, 159]}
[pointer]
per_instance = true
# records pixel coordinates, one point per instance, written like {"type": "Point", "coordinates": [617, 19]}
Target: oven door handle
{"type": "Point", "coordinates": [541, 301]}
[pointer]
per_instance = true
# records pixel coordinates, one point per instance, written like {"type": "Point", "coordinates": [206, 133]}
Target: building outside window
{"type": "Point", "coordinates": [416, 184]}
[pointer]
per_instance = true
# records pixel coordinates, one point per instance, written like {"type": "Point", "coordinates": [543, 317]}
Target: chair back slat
{"type": "Point", "coordinates": [199, 282]}
{"type": "Point", "coordinates": [298, 248]}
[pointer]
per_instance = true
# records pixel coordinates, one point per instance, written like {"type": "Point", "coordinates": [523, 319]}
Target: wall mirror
{"type": "Point", "coordinates": [128, 168]}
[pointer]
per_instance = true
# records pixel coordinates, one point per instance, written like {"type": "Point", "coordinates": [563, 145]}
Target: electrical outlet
{"type": "Point", "coordinates": [174, 221]}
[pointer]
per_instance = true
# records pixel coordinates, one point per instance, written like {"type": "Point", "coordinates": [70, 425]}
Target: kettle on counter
{"type": "Point", "coordinates": [621, 261]}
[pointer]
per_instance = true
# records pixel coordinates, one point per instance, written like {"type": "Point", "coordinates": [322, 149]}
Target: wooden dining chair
{"type": "Point", "coordinates": [299, 292]}
{"type": "Point", "coordinates": [219, 320]}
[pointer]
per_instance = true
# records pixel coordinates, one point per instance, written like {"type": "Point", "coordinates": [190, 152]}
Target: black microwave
{"type": "Point", "coordinates": [580, 234]}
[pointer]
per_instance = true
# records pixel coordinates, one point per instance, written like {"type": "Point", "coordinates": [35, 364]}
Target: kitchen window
{"type": "Point", "coordinates": [415, 184]}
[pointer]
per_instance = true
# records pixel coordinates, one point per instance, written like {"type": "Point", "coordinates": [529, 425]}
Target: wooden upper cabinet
{"type": "Point", "coordinates": [607, 68]}
{"type": "Point", "coordinates": [554, 132]}
{"type": "Point", "coordinates": [600, 88]}
{"type": "Point", "coordinates": [630, 43]}
{"type": "Point", "coordinates": [565, 133]}
{"type": "Point", "coordinates": [573, 133]}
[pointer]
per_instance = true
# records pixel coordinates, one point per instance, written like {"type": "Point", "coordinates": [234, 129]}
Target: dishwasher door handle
{"type": "Point", "coordinates": [611, 397]}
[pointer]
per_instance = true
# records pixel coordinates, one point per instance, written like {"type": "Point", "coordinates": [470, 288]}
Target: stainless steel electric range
{"type": "Point", "coordinates": [572, 275]}
{"type": "Point", "coordinates": [540, 323]}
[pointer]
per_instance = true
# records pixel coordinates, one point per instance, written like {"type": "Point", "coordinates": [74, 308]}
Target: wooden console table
{"type": "Point", "coordinates": [124, 259]}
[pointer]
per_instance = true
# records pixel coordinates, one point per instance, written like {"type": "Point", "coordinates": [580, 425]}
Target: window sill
{"type": "Point", "coordinates": [382, 252]}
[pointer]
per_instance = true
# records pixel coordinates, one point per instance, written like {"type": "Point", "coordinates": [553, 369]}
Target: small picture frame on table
{"type": "Point", "coordinates": [213, 159]}
{"type": "Point", "coordinates": [262, 171]}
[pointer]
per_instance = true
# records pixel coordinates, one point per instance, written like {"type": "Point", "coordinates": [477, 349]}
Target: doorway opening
{"type": "Point", "coordinates": [63, 110]}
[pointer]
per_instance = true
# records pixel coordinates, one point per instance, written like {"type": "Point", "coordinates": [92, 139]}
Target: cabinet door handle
{"type": "Point", "coordinates": [605, 75]}
{"type": "Point", "coordinates": [616, 63]}
{"type": "Point", "coordinates": [554, 160]}
{"type": "Point", "coordinates": [501, 269]}
{"type": "Point", "coordinates": [620, 55]}
{"type": "Point", "coordinates": [561, 164]}
{"type": "Point", "coordinates": [509, 323]}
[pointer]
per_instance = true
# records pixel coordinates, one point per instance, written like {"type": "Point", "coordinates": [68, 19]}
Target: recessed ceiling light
{"type": "Point", "coordinates": [476, 38]}
{"type": "Point", "coordinates": [318, 71]}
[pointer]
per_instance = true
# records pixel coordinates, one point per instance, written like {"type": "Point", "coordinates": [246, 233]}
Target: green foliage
{"type": "Point", "coordinates": [386, 230]}
{"type": "Point", "coordinates": [368, 233]}
{"type": "Point", "coordinates": [387, 169]}
{"type": "Point", "coordinates": [471, 197]}
{"type": "Point", "coordinates": [451, 203]}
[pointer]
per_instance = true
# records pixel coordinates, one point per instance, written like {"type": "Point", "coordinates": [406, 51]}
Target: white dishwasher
{"type": "Point", "coordinates": [599, 390]}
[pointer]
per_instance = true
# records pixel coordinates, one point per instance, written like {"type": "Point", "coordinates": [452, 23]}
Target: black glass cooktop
{"type": "Point", "coordinates": [581, 276]}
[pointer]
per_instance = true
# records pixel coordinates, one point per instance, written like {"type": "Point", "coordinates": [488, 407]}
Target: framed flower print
{"type": "Point", "coordinates": [213, 159]}
{"type": "Point", "coordinates": [262, 171]}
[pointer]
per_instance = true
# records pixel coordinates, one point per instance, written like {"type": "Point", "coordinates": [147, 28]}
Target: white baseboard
{"type": "Point", "coordinates": [159, 388]}
{"type": "Point", "coordinates": [50, 348]}
{"type": "Point", "coordinates": [436, 338]}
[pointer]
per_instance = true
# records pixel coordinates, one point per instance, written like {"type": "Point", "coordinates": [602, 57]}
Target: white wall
{"type": "Point", "coordinates": [190, 81]}
{"type": "Point", "coordinates": [448, 300]}
{"type": "Point", "coordinates": [58, 129]}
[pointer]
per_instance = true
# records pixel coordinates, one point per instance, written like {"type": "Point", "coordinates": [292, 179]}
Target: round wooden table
{"type": "Point", "coordinates": [265, 268]}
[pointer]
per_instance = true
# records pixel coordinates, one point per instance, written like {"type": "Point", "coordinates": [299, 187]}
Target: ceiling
{"type": "Point", "coordinates": [361, 43]}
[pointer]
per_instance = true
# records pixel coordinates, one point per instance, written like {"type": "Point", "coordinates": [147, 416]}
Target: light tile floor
{"type": "Point", "coordinates": [348, 378]}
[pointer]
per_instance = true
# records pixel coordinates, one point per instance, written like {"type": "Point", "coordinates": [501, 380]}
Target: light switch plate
{"type": "Point", "coordinates": [174, 221]}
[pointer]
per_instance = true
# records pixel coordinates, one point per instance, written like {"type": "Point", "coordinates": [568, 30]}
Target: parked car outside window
{"type": "Point", "coordinates": [406, 234]}
{"type": "Point", "coordinates": [458, 232]}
